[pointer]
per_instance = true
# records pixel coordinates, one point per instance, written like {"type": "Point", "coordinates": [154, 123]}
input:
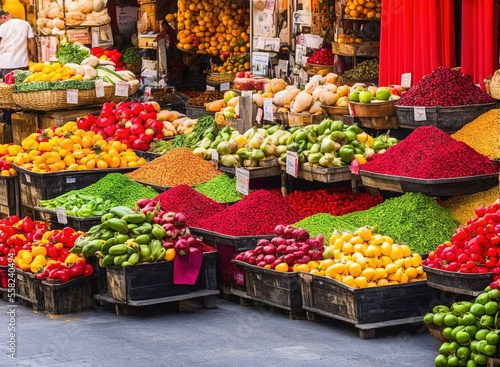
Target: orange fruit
{"type": "Point", "coordinates": [169, 254]}
{"type": "Point", "coordinates": [360, 282]}
{"type": "Point", "coordinates": [354, 269]}
{"type": "Point", "coordinates": [282, 268]}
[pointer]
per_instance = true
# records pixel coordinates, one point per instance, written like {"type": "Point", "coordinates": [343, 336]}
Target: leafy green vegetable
{"type": "Point", "coordinates": [20, 75]}
{"type": "Point", "coordinates": [72, 52]}
{"type": "Point", "coordinates": [130, 55]}
{"type": "Point", "coordinates": [59, 85]}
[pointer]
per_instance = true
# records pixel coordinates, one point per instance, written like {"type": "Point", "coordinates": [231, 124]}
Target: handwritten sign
{"type": "Point", "coordinates": [224, 86]}
{"type": "Point", "coordinates": [292, 163]}
{"type": "Point", "coordinates": [242, 180]}
{"type": "Point", "coordinates": [72, 96]}
{"type": "Point", "coordinates": [99, 88]}
{"type": "Point", "coordinates": [268, 109]}
{"type": "Point", "coordinates": [406, 80]}
{"type": "Point", "coordinates": [419, 114]}
{"type": "Point", "coordinates": [61, 215]}
{"type": "Point", "coordinates": [215, 158]}
{"type": "Point", "coordinates": [121, 89]}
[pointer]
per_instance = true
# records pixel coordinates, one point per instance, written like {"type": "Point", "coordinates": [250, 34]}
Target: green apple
{"type": "Point", "coordinates": [354, 96]}
{"type": "Point", "coordinates": [383, 94]}
{"type": "Point", "coordinates": [228, 112]}
{"type": "Point", "coordinates": [365, 97]}
{"type": "Point", "coordinates": [228, 95]}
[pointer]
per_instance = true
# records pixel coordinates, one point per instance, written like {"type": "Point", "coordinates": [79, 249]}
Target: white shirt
{"type": "Point", "coordinates": [13, 47]}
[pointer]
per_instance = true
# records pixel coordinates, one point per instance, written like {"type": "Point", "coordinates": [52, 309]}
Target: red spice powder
{"type": "Point", "coordinates": [256, 214]}
{"type": "Point", "coordinates": [191, 203]}
{"type": "Point", "coordinates": [430, 153]}
{"type": "Point", "coordinates": [335, 201]}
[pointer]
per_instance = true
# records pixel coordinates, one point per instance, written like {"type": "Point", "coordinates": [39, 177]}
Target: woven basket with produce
{"type": "Point", "coordinates": [71, 81]}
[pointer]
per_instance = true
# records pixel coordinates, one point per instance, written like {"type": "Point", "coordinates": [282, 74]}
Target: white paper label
{"type": "Point", "coordinates": [70, 180]}
{"type": "Point", "coordinates": [292, 163]}
{"type": "Point", "coordinates": [351, 110]}
{"type": "Point", "coordinates": [242, 180]}
{"type": "Point", "coordinates": [268, 109]}
{"type": "Point", "coordinates": [247, 93]}
{"type": "Point", "coordinates": [99, 88]}
{"type": "Point", "coordinates": [61, 215]}
{"type": "Point", "coordinates": [121, 89]}
{"type": "Point", "coordinates": [72, 96]}
{"type": "Point", "coordinates": [209, 87]}
{"type": "Point", "coordinates": [419, 114]}
{"type": "Point", "coordinates": [28, 178]}
{"type": "Point", "coordinates": [215, 158]}
{"type": "Point", "coordinates": [406, 80]}
{"type": "Point", "coordinates": [224, 86]}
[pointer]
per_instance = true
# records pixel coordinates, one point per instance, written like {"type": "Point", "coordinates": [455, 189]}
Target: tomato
{"type": "Point", "coordinates": [137, 129]}
{"type": "Point", "coordinates": [107, 109]}
{"type": "Point", "coordinates": [136, 108]}
{"type": "Point", "coordinates": [77, 270]}
{"type": "Point", "coordinates": [63, 275]}
{"type": "Point", "coordinates": [122, 133]}
{"type": "Point", "coordinates": [88, 270]}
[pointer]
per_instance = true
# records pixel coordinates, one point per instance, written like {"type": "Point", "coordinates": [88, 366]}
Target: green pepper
{"type": "Point", "coordinates": [293, 147]}
{"type": "Point", "coordinates": [323, 126]}
{"type": "Point", "coordinates": [346, 153]}
{"type": "Point", "coordinates": [121, 238]}
{"type": "Point", "coordinates": [315, 157]}
{"type": "Point", "coordinates": [302, 146]}
{"type": "Point", "coordinates": [355, 128]}
{"type": "Point", "coordinates": [106, 234]}
{"type": "Point", "coordinates": [301, 136]}
{"type": "Point", "coordinates": [338, 136]}
{"type": "Point", "coordinates": [302, 158]}
{"type": "Point", "coordinates": [379, 145]}
{"type": "Point", "coordinates": [158, 232]}
{"type": "Point", "coordinates": [350, 135]}
{"type": "Point", "coordinates": [142, 239]}
{"type": "Point", "coordinates": [315, 148]}
{"type": "Point", "coordinates": [311, 136]}
{"type": "Point", "coordinates": [145, 227]}
{"type": "Point", "coordinates": [116, 224]}
{"type": "Point", "coordinates": [337, 125]}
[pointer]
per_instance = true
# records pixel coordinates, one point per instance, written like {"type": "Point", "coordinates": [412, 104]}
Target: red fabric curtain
{"type": "Point", "coordinates": [479, 39]}
{"type": "Point", "coordinates": [416, 36]}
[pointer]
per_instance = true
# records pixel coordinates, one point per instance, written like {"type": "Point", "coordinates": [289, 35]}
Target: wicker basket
{"type": "Point", "coordinates": [52, 99]}
{"type": "Point", "coordinates": [495, 85]}
{"type": "Point", "coordinates": [6, 100]}
{"type": "Point", "coordinates": [487, 82]}
{"type": "Point", "coordinates": [134, 67]}
{"type": "Point", "coordinates": [218, 78]}
{"type": "Point", "coordinates": [312, 69]}
{"type": "Point", "coordinates": [166, 94]}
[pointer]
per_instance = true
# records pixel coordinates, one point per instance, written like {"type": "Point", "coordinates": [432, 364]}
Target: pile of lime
{"type": "Point", "coordinates": [469, 329]}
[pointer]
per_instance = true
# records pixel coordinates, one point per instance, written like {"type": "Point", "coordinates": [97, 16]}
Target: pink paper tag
{"type": "Point", "coordinates": [354, 167]}
{"type": "Point", "coordinates": [187, 267]}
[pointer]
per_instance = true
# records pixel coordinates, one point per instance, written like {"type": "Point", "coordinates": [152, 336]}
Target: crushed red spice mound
{"type": "Point", "coordinates": [335, 201]}
{"type": "Point", "coordinates": [256, 214]}
{"type": "Point", "coordinates": [430, 153]}
{"type": "Point", "coordinates": [445, 87]}
{"type": "Point", "coordinates": [191, 203]}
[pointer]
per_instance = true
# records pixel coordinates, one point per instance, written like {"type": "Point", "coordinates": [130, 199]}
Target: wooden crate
{"type": "Point", "coordinates": [5, 133]}
{"type": "Point", "coordinates": [73, 296]}
{"type": "Point", "coordinates": [367, 48]}
{"type": "Point", "coordinates": [312, 172]}
{"type": "Point", "coordinates": [271, 287]}
{"type": "Point", "coordinates": [156, 280]}
{"type": "Point", "coordinates": [301, 119]}
{"type": "Point", "coordinates": [59, 118]}
{"type": "Point", "coordinates": [23, 124]}
{"type": "Point", "coordinates": [368, 308]}
{"type": "Point", "coordinates": [28, 290]}
{"type": "Point", "coordinates": [9, 195]}
{"type": "Point", "coordinates": [461, 283]}
{"type": "Point", "coordinates": [379, 123]}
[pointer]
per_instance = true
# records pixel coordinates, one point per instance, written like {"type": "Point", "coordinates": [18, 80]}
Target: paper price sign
{"type": "Point", "coordinates": [121, 89]}
{"type": "Point", "coordinates": [419, 114]}
{"type": "Point", "coordinates": [209, 87]}
{"type": "Point", "coordinates": [61, 215]}
{"type": "Point", "coordinates": [268, 109]}
{"type": "Point", "coordinates": [354, 167]}
{"type": "Point", "coordinates": [351, 110]}
{"type": "Point", "coordinates": [247, 93]}
{"type": "Point", "coordinates": [72, 96]}
{"type": "Point", "coordinates": [292, 164]}
{"type": "Point", "coordinates": [215, 158]}
{"type": "Point", "coordinates": [99, 88]}
{"type": "Point", "coordinates": [242, 180]}
{"type": "Point", "coordinates": [406, 80]}
{"type": "Point", "coordinates": [224, 86]}
{"type": "Point", "coordinates": [258, 118]}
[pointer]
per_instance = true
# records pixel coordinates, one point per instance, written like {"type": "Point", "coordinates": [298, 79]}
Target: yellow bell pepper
{"type": "Point", "coordinates": [38, 250]}
{"type": "Point", "coordinates": [71, 258]}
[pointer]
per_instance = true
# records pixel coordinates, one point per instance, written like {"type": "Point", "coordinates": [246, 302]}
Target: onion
{"type": "Point", "coordinates": [279, 230]}
{"type": "Point", "coordinates": [141, 203]}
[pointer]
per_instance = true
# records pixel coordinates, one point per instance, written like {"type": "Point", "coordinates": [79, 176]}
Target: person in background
{"type": "Point", "coordinates": [13, 36]}
{"type": "Point", "coordinates": [169, 34]}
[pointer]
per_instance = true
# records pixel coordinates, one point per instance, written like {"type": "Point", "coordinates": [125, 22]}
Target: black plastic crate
{"type": "Point", "coordinates": [77, 223]}
{"type": "Point", "coordinates": [156, 280]}
{"type": "Point", "coordinates": [227, 247]}
{"type": "Point", "coordinates": [35, 186]}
